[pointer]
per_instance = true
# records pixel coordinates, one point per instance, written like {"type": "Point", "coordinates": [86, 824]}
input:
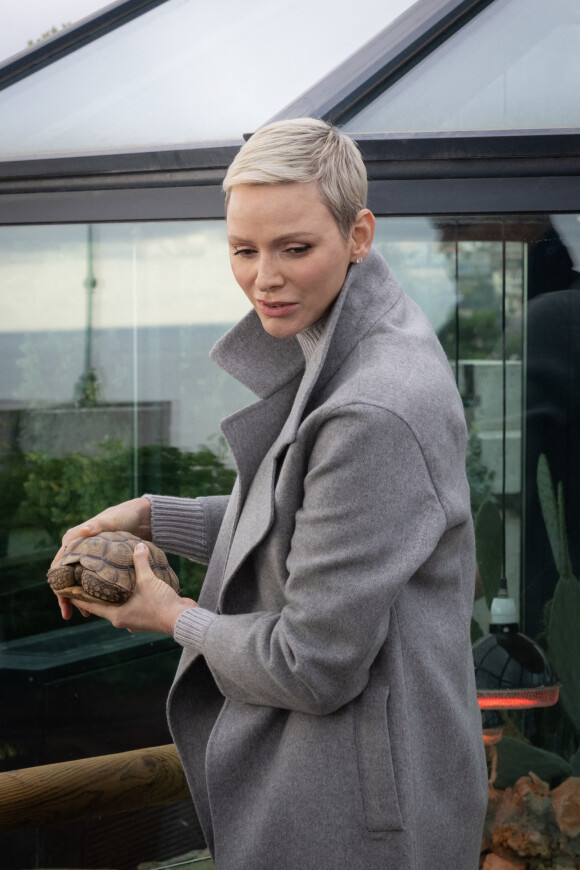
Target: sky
{"type": "Point", "coordinates": [26, 20]}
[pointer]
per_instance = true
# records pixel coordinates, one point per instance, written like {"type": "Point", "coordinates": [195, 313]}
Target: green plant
{"type": "Point", "coordinates": [59, 492]}
{"type": "Point", "coordinates": [488, 549]}
{"type": "Point", "coordinates": [553, 751]}
{"type": "Point", "coordinates": [48, 494]}
{"type": "Point", "coordinates": [479, 477]}
{"type": "Point", "coordinates": [516, 758]}
{"type": "Point", "coordinates": [556, 730]}
{"type": "Point", "coordinates": [488, 543]}
{"type": "Point", "coordinates": [563, 613]}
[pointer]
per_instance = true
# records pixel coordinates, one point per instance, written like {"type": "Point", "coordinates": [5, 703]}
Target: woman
{"type": "Point", "coordinates": [324, 707]}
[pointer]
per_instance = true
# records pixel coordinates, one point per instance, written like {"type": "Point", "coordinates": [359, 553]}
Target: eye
{"type": "Point", "coordinates": [297, 249]}
{"type": "Point", "coordinates": [243, 252]}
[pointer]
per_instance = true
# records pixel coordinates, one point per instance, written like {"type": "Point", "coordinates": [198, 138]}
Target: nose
{"type": "Point", "coordinates": [268, 276]}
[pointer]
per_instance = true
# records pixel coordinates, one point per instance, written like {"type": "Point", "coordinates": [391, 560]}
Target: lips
{"type": "Point", "coordinates": [275, 309]}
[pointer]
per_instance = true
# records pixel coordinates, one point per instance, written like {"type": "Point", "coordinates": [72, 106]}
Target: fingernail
{"type": "Point", "coordinates": [89, 527]}
{"type": "Point", "coordinates": [140, 547]}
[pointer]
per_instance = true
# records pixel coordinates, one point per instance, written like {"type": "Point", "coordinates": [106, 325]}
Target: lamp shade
{"type": "Point", "coordinates": [513, 673]}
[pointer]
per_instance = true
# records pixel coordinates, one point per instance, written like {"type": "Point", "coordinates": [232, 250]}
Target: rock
{"type": "Point", "coordinates": [522, 840]}
{"type": "Point", "coordinates": [494, 862]}
{"type": "Point", "coordinates": [524, 820]}
{"type": "Point", "coordinates": [566, 803]}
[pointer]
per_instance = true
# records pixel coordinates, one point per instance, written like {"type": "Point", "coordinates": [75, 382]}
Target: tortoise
{"type": "Point", "coordinates": [100, 568]}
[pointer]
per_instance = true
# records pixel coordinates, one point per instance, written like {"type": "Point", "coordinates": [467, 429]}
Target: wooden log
{"type": "Point", "coordinates": [72, 790]}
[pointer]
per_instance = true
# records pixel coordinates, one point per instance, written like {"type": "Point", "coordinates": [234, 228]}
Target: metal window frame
{"type": "Point", "coordinates": [483, 172]}
{"type": "Point", "coordinates": [464, 174]}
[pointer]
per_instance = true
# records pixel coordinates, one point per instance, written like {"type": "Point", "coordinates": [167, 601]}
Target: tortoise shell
{"type": "Point", "coordinates": [100, 568]}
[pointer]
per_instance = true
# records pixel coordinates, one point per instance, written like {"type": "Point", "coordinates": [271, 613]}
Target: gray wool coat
{"type": "Point", "coordinates": [324, 707]}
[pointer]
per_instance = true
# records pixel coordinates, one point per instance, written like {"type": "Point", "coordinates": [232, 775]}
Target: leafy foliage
{"type": "Point", "coordinates": [488, 540]}
{"type": "Point", "coordinates": [479, 477]}
{"type": "Point", "coordinates": [553, 513]}
{"type": "Point", "coordinates": [61, 491]}
{"type": "Point", "coordinates": [555, 749]}
{"type": "Point", "coordinates": [44, 495]}
{"type": "Point", "coordinates": [47, 35]}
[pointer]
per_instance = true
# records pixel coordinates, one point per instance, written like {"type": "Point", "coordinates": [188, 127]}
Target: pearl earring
{"type": "Point", "coordinates": [359, 260]}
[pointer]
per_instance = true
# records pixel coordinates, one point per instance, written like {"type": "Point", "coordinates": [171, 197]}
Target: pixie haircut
{"type": "Point", "coordinates": [305, 150]}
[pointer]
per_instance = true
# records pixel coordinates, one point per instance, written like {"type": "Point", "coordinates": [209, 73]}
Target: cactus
{"type": "Point", "coordinates": [516, 758]}
{"type": "Point", "coordinates": [564, 612]}
{"type": "Point", "coordinates": [564, 644]}
{"type": "Point", "coordinates": [488, 542]}
{"type": "Point", "coordinates": [554, 517]}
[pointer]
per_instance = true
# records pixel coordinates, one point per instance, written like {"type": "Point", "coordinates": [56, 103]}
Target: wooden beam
{"type": "Point", "coordinates": [71, 790]}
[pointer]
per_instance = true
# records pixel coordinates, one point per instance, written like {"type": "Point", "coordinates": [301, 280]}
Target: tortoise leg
{"type": "Point", "coordinates": [64, 581]}
{"type": "Point", "coordinates": [96, 590]}
{"type": "Point", "coordinates": [61, 577]}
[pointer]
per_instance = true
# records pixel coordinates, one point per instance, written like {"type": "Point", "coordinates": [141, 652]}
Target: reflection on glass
{"type": "Point", "coordinates": [490, 75]}
{"type": "Point", "coordinates": [457, 271]}
{"type": "Point", "coordinates": [527, 269]}
{"type": "Point", "coordinates": [138, 307]}
{"type": "Point", "coordinates": [553, 400]}
{"type": "Point", "coordinates": [106, 391]}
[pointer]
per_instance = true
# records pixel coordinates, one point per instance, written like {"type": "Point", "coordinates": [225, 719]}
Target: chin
{"type": "Point", "coordinates": [281, 330]}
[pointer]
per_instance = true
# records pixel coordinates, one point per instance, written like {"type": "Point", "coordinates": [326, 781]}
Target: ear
{"type": "Point", "coordinates": [362, 234]}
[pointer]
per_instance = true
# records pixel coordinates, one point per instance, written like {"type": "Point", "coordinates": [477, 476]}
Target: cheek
{"type": "Point", "coordinates": [328, 280]}
{"type": "Point", "coordinates": [240, 274]}
{"type": "Point", "coordinates": [318, 277]}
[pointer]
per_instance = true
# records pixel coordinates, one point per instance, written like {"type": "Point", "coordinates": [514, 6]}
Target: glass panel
{"type": "Point", "coordinates": [106, 391]}
{"type": "Point", "coordinates": [455, 270]}
{"type": "Point", "coordinates": [184, 72]}
{"type": "Point", "coordinates": [463, 271]}
{"type": "Point", "coordinates": [490, 75]}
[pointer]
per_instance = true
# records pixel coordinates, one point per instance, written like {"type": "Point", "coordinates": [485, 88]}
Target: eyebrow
{"type": "Point", "coordinates": [285, 238]}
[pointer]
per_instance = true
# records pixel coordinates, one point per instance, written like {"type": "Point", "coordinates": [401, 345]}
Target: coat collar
{"type": "Point", "coordinates": [265, 364]}
{"type": "Point", "coordinates": [274, 369]}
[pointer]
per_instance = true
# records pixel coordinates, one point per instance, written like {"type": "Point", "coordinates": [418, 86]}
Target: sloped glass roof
{"type": "Point", "coordinates": [186, 71]}
{"type": "Point", "coordinates": [516, 65]}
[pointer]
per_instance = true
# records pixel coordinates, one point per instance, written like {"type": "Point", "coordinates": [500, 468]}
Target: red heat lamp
{"type": "Point", "coordinates": [511, 671]}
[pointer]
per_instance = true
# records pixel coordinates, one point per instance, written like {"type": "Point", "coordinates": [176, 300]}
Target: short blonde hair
{"type": "Point", "coordinates": [305, 150]}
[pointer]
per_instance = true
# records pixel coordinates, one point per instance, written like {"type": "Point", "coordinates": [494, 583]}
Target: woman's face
{"type": "Point", "coordinates": [287, 253]}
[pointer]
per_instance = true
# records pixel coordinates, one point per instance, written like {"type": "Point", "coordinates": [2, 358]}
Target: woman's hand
{"type": "Point", "coordinates": [130, 516]}
{"type": "Point", "coordinates": [154, 605]}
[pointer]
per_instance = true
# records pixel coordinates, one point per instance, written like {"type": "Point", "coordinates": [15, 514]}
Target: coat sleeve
{"type": "Point", "coordinates": [187, 526]}
{"type": "Point", "coordinates": [370, 518]}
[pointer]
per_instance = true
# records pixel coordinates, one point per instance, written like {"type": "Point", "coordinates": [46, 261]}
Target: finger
{"type": "Point", "coordinates": [65, 607]}
{"type": "Point", "coordinates": [141, 561]}
{"type": "Point", "coordinates": [83, 531]}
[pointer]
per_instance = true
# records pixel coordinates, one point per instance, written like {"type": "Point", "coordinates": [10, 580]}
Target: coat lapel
{"type": "Point", "coordinates": [274, 370]}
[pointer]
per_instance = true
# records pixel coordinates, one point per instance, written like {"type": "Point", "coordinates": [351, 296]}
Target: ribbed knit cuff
{"type": "Point", "coordinates": [178, 526]}
{"type": "Point", "coordinates": [191, 626]}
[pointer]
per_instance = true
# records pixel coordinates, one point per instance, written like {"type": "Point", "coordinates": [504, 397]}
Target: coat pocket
{"type": "Point", "coordinates": [375, 763]}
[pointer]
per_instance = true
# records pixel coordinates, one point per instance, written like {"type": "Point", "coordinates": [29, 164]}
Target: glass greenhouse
{"type": "Point", "coordinates": [115, 136]}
